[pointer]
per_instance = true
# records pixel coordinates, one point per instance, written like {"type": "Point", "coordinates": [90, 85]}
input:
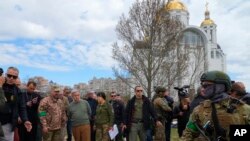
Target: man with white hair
{"type": "Point", "coordinates": [79, 113]}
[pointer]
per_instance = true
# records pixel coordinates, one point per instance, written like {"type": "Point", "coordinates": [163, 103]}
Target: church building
{"type": "Point", "coordinates": [195, 37]}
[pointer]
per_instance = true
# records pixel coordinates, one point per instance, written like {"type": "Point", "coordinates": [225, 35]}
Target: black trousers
{"type": "Point", "coordinates": [27, 136]}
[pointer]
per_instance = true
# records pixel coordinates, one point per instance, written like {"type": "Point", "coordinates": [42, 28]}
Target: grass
{"type": "Point", "coordinates": [174, 134]}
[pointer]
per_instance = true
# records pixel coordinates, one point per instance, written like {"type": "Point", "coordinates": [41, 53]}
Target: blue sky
{"type": "Point", "coordinates": [71, 41]}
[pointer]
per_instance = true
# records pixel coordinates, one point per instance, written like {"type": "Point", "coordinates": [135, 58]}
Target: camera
{"type": "Point", "coordinates": [182, 91]}
{"type": "Point", "coordinates": [1, 71]}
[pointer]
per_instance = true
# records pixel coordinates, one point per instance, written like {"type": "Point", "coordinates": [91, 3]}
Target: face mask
{"type": "Point", "coordinates": [209, 91]}
{"type": "Point", "coordinates": [212, 90]}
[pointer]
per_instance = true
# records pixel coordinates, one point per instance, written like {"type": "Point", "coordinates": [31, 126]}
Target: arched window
{"type": "Point", "coordinates": [191, 39]}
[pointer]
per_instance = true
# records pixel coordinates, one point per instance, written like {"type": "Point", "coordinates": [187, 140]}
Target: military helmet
{"type": "Point", "coordinates": [159, 89]}
{"type": "Point", "coordinates": [217, 77]}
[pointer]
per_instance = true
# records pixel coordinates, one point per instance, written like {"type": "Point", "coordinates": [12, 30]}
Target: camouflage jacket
{"type": "Point", "coordinates": [66, 104]}
{"type": "Point", "coordinates": [52, 113]}
{"type": "Point", "coordinates": [161, 107]}
{"type": "Point", "coordinates": [202, 115]}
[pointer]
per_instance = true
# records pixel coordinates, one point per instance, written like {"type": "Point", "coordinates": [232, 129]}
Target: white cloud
{"type": "Point", "coordinates": [33, 30]}
{"type": "Point", "coordinates": [46, 19]}
{"type": "Point", "coordinates": [60, 56]}
{"type": "Point", "coordinates": [79, 33]}
{"type": "Point", "coordinates": [70, 33]}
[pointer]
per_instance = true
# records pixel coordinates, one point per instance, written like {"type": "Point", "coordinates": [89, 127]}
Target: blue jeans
{"type": "Point", "coordinates": [149, 135]}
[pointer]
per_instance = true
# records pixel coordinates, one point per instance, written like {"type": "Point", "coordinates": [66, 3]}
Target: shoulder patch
{"type": "Point", "coordinates": [192, 126]}
{"type": "Point", "coordinates": [42, 114]}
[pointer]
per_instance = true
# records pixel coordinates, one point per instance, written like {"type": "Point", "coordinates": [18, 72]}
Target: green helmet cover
{"type": "Point", "coordinates": [160, 89]}
{"type": "Point", "coordinates": [217, 77]}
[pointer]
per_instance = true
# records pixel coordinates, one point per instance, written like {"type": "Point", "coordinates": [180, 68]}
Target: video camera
{"type": "Point", "coordinates": [1, 71]}
{"type": "Point", "coordinates": [182, 92]}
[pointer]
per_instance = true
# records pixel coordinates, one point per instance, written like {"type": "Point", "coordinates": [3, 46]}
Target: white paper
{"type": "Point", "coordinates": [114, 132]}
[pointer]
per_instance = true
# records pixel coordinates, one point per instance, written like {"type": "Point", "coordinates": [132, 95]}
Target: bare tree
{"type": "Point", "coordinates": [197, 64]}
{"type": "Point", "coordinates": [197, 54]}
{"type": "Point", "coordinates": [147, 51]}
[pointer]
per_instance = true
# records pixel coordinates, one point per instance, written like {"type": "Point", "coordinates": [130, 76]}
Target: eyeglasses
{"type": "Point", "coordinates": [13, 76]}
{"type": "Point", "coordinates": [113, 96]}
{"type": "Point", "coordinates": [139, 90]}
{"type": "Point", "coordinates": [205, 85]}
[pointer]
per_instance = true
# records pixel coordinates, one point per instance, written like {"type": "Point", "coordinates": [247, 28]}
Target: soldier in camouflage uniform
{"type": "Point", "coordinates": [161, 108]}
{"type": "Point", "coordinates": [52, 114]}
{"type": "Point", "coordinates": [213, 117]}
{"type": "Point", "coordinates": [104, 118]}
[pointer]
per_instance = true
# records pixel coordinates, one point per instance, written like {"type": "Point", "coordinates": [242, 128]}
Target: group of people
{"type": "Point", "coordinates": [219, 103]}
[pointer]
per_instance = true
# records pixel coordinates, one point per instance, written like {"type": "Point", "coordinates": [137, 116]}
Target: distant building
{"type": "Point", "coordinates": [82, 87]}
{"type": "Point", "coordinates": [42, 83]}
{"type": "Point", "coordinates": [108, 85]}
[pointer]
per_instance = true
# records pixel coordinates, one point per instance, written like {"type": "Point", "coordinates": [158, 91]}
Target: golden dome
{"type": "Point", "coordinates": [175, 5]}
{"type": "Point", "coordinates": [207, 22]}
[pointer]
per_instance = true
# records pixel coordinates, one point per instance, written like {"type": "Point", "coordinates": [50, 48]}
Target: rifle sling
{"type": "Point", "coordinates": [219, 131]}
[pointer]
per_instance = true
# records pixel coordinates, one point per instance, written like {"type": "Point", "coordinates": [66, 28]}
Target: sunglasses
{"type": "Point", "coordinates": [139, 90]}
{"type": "Point", "coordinates": [206, 85]}
{"type": "Point", "coordinates": [13, 76]}
{"type": "Point", "coordinates": [113, 96]}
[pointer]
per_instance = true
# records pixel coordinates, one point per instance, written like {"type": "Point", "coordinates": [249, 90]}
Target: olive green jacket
{"type": "Point", "coordinates": [104, 114]}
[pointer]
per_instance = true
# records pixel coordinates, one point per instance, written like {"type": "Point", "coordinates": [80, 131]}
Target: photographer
{"type": "Point", "coordinates": [182, 113]}
{"type": "Point", "coordinates": [169, 115]}
{"type": "Point", "coordinates": [182, 110]}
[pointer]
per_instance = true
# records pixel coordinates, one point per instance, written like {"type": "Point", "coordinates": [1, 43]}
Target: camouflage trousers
{"type": "Point", "coordinates": [53, 135]}
{"type": "Point", "coordinates": [160, 133]}
{"type": "Point", "coordinates": [102, 132]}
